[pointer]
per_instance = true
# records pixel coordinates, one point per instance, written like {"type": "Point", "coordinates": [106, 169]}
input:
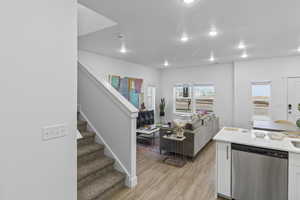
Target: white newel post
{"type": "Point", "coordinates": [133, 178]}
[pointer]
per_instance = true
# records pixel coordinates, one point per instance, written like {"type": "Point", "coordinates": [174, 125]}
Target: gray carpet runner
{"type": "Point", "coordinates": [96, 177]}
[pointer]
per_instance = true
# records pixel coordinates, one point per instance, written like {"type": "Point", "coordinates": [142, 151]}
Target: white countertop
{"type": "Point", "coordinates": [247, 137]}
{"type": "Point", "coordinates": [272, 126]}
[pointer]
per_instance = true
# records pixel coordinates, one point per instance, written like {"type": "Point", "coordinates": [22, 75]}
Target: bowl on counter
{"type": "Point", "coordinates": [260, 134]}
{"type": "Point", "coordinates": [276, 136]}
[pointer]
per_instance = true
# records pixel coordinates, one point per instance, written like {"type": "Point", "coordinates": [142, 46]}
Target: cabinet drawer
{"type": "Point", "coordinates": [224, 169]}
{"type": "Point", "coordinates": [294, 159]}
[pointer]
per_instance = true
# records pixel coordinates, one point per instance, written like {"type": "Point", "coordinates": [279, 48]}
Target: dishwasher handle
{"type": "Point", "coordinates": [227, 152]}
{"type": "Point", "coordinates": [261, 151]}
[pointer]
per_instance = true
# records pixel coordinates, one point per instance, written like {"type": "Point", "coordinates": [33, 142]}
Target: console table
{"type": "Point", "coordinates": [177, 143]}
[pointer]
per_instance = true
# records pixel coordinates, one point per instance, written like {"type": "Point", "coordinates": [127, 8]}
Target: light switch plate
{"type": "Point", "coordinates": [56, 131]}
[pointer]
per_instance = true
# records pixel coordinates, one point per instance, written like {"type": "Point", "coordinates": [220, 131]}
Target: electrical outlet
{"type": "Point", "coordinates": [56, 131]}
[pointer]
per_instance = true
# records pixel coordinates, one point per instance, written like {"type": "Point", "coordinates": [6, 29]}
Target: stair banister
{"type": "Point", "coordinates": [112, 117]}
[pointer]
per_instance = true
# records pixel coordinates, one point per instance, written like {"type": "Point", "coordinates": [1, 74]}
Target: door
{"type": "Point", "coordinates": [224, 169]}
{"type": "Point", "coordinates": [293, 99]}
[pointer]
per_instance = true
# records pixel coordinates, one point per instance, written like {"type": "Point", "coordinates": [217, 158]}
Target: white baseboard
{"type": "Point", "coordinates": [130, 181]}
{"type": "Point", "coordinates": [79, 136]}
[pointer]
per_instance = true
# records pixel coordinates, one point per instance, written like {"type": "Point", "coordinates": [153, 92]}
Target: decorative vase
{"type": "Point", "coordinates": [162, 119]}
{"type": "Point", "coordinates": [179, 128]}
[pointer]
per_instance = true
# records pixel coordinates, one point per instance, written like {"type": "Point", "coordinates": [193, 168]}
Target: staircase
{"type": "Point", "coordinates": [96, 177]}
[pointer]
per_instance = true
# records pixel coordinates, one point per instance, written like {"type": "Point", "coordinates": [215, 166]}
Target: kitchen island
{"type": "Point", "coordinates": [282, 152]}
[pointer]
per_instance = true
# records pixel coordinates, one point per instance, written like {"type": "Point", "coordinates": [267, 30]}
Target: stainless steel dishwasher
{"type": "Point", "coordinates": [258, 173]}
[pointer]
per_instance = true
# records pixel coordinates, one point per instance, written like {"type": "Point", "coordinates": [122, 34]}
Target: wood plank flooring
{"type": "Point", "coordinates": [159, 181]}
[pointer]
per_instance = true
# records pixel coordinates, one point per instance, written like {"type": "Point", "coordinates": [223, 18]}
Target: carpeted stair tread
{"type": "Point", "coordinates": [87, 149]}
{"type": "Point", "coordinates": [87, 138]}
{"type": "Point", "coordinates": [93, 166]}
{"type": "Point", "coordinates": [81, 125]}
{"type": "Point", "coordinates": [81, 122]}
{"type": "Point", "coordinates": [86, 134]}
{"type": "Point", "coordinates": [100, 185]}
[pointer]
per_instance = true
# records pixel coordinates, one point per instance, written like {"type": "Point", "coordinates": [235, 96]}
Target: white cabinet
{"type": "Point", "coordinates": [294, 176]}
{"type": "Point", "coordinates": [224, 169]}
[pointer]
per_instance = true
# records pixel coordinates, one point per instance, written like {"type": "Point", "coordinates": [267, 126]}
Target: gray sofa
{"type": "Point", "coordinates": [203, 130]}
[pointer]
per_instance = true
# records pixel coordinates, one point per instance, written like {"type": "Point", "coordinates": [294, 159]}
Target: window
{"type": "Point", "coordinates": [183, 99]}
{"type": "Point", "coordinates": [151, 91]}
{"type": "Point", "coordinates": [204, 96]}
{"type": "Point", "coordinates": [261, 94]}
{"type": "Point", "coordinates": [191, 99]}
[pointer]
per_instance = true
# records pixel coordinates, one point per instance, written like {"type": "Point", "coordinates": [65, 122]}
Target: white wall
{"type": "Point", "coordinates": [38, 88]}
{"type": "Point", "coordinates": [103, 66]}
{"type": "Point", "coordinates": [219, 75]}
{"type": "Point", "coordinates": [232, 82]}
{"type": "Point", "coordinates": [90, 21]}
{"type": "Point", "coordinates": [275, 70]}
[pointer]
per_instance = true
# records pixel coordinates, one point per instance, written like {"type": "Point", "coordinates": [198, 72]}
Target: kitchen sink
{"type": "Point", "coordinates": [296, 144]}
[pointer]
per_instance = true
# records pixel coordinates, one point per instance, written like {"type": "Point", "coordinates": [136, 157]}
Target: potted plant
{"type": "Point", "coordinates": [162, 107]}
{"type": "Point", "coordinates": [298, 123]}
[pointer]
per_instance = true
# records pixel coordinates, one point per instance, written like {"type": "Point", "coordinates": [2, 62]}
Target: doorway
{"type": "Point", "coordinates": [293, 99]}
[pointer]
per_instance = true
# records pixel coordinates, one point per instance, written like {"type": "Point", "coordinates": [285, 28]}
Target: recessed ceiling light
{"type": "Point", "coordinates": [184, 37]}
{"type": "Point", "coordinates": [298, 49]}
{"type": "Point", "coordinates": [213, 32]}
{"type": "Point", "coordinates": [188, 1]}
{"type": "Point", "coordinates": [242, 45]}
{"type": "Point", "coordinates": [166, 63]}
{"type": "Point", "coordinates": [123, 49]}
{"type": "Point", "coordinates": [244, 55]}
{"type": "Point", "coordinates": [212, 58]}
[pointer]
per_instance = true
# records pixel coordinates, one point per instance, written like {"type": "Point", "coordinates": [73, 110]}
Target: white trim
{"type": "Point", "coordinates": [152, 96]}
{"type": "Point", "coordinates": [270, 114]}
{"type": "Point", "coordinates": [183, 114]}
{"type": "Point", "coordinates": [79, 136]}
{"type": "Point", "coordinates": [214, 97]}
{"type": "Point", "coordinates": [192, 97]}
{"type": "Point", "coordinates": [287, 93]}
{"type": "Point", "coordinates": [204, 84]}
{"type": "Point", "coordinates": [130, 181]}
{"type": "Point", "coordinates": [261, 82]}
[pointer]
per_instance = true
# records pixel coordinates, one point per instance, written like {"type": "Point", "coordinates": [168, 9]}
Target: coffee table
{"type": "Point", "coordinates": [147, 134]}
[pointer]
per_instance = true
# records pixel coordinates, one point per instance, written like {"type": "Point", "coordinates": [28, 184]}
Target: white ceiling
{"type": "Point", "coordinates": [152, 29]}
{"type": "Point", "coordinates": [90, 21]}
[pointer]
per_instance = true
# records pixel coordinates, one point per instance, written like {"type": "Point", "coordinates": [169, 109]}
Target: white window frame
{"type": "Point", "coordinates": [152, 97]}
{"type": "Point", "coordinates": [257, 117]}
{"type": "Point", "coordinates": [174, 99]}
{"type": "Point", "coordinates": [193, 99]}
{"type": "Point", "coordinates": [203, 85]}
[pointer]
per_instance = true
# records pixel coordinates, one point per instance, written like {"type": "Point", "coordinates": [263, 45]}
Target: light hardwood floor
{"type": "Point", "coordinates": [159, 181]}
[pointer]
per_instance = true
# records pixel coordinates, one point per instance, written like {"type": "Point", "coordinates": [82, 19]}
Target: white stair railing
{"type": "Point", "coordinates": [112, 117]}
